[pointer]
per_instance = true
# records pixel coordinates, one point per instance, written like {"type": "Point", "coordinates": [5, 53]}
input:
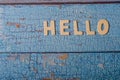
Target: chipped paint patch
{"type": "Point", "coordinates": [24, 57]}
{"type": "Point", "coordinates": [17, 25]}
{"type": "Point", "coordinates": [63, 56]}
{"type": "Point", "coordinates": [13, 24]}
{"type": "Point", "coordinates": [12, 57]}
{"type": "Point", "coordinates": [101, 66]}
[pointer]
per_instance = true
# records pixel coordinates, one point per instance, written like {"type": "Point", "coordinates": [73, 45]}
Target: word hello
{"type": "Point", "coordinates": [102, 27]}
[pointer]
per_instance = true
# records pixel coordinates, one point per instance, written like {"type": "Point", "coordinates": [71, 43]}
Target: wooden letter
{"type": "Point", "coordinates": [102, 31]}
{"type": "Point", "coordinates": [50, 28]}
{"type": "Point", "coordinates": [63, 27]}
{"type": "Point", "coordinates": [76, 32]}
{"type": "Point", "coordinates": [88, 28]}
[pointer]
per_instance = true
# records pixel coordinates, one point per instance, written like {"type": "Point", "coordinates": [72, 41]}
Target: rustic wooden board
{"type": "Point", "coordinates": [55, 1]}
{"type": "Point", "coordinates": [26, 54]}
{"type": "Point", "coordinates": [31, 66]}
{"type": "Point", "coordinates": [21, 28]}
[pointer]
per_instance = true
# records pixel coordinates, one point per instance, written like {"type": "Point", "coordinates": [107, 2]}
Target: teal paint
{"type": "Point", "coordinates": [22, 43]}
{"type": "Point", "coordinates": [22, 28]}
{"type": "Point", "coordinates": [54, 1]}
{"type": "Point", "coordinates": [88, 66]}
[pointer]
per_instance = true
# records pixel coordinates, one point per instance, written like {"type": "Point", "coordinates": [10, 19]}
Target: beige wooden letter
{"type": "Point", "coordinates": [101, 30]}
{"type": "Point", "coordinates": [88, 28]}
{"type": "Point", "coordinates": [76, 32]}
{"type": "Point", "coordinates": [63, 27]}
{"type": "Point", "coordinates": [49, 28]}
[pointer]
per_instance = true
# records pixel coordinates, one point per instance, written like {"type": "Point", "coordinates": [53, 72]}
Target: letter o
{"type": "Point", "coordinates": [102, 23]}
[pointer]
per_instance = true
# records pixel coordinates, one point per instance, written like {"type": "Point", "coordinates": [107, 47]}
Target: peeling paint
{"type": "Point", "coordinates": [63, 56]}
{"type": "Point", "coordinates": [101, 66]}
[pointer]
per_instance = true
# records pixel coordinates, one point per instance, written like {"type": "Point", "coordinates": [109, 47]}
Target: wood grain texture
{"type": "Point", "coordinates": [56, 1]}
{"type": "Point", "coordinates": [21, 28]}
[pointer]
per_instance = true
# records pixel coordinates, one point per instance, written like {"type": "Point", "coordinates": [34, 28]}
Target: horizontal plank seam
{"type": "Point", "coordinates": [57, 3]}
{"type": "Point", "coordinates": [63, 52]}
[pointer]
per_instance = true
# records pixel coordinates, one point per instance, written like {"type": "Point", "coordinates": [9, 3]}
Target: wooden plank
{"type": "Point", "coordinates": [22, 28]}
{"type": "Point", "coordinates": [55, 1]}
{"type": "Point", "coordinates": [60, 66]}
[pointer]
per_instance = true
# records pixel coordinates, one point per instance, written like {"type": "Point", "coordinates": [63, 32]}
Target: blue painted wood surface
{"type": "Point", "coordinates": [53, 1]}
{"type": "Point", "coordinates": [31, 66]}
{"type": "Point", "coordinates": [21, 28]}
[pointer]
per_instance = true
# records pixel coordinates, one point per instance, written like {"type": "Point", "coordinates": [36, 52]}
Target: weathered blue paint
{"type": "Point", "coordinates": [52, 1]}
{"type": "Point", "coordinates": [89, 66]}
{"type": "Point", "coordinates": [21, 28]}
